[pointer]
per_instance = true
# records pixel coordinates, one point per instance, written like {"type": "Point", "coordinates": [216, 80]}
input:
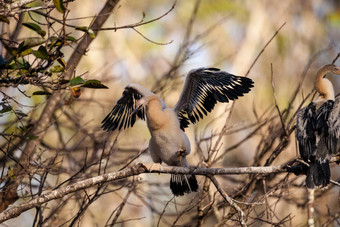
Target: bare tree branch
{"type": "Point", "coordinates": [13, 5]}
{"type": "Point", "coordinates": [229, 200]}
{"type": "Point", "coordinates": [134, 170]}
{"type": "Point", "coordinates": [140, 23]}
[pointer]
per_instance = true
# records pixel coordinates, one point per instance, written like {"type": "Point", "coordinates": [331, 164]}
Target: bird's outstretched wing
{"type": "Point", "coordinates": [305, 131]}
{"type": "Point", "coordinates": [203, 88]}
{"type": "Point", "coordinates": [121, 116]}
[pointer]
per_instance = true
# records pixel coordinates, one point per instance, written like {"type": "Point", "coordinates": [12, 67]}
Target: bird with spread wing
{"type": "Point", "coordinates": [169, 144]}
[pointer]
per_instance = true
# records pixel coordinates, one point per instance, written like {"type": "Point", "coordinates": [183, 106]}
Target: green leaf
{"type": "Point", "coordinates": [32, 42]}
{"type": "Point", "coordinates": [41, 93]}
{"type": "Point", "coordinates": [76, 81]}
{"type": "Point", "coordinates": [82, 28]}
{"type": "Point", "coordinates": [91, 33]}
{"type": "Point", "coordinates": [4, 19]}
{"type": "Point", "coordinates": [32, 137]}
{"type": "Point", "coordinates": [71, 38]}
{"type": "Point", "coordinates": [21, 48]}
{"type": "Point", "coordinates": [35, 27]}
{"type": "Point", "coordinates": [42, 33]}
{"type": "Point", "coordinates": [5, 109]}
{"type": "Point", "coordinates": [20, 63]}
{"type": "Point", "coordinates": [87, 30]}
{"type": "Point", "coordinates": [26, 52]}
{"type": "Point", "coordinates": [59, 5]}
{"type": "Point", "coordinates": [94, 84]}
{"type": "Point", "coordinates": [54, 41]}
{"type": "Point", "coordinates": [41, 53]}
{"type": "Point", "coordinates": [57, 69]}
{"type": "Point", "coordinates": [32, 26]}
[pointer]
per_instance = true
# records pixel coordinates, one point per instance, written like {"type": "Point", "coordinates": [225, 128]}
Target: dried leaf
{"type": "Point", "coordinates": [4, 19]}
{"type": "Point", "coordinates": [62, 62]}
{"type": "Point", "coordinates": [76, 92]}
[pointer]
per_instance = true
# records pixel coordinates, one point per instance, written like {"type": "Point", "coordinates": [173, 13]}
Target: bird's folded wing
{"type": "Point", "coordinates": [334, 127]}
{"type": "Point", "coordinates": [305, 131]}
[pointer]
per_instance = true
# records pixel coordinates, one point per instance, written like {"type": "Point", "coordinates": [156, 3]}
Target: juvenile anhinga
{"type": "Point", "coordinates": [318, 129]}
{"type": "Point", "coordinates": [202, 89]}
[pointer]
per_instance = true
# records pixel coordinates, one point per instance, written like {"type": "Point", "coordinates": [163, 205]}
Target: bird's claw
{"type": "Point", "coordinates": [154, 167]}
{"type": "Point", "coordinates": [180, 154]}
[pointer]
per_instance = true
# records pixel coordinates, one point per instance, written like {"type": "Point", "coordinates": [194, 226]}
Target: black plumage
{"type": "Point", "coordinates": [318, 130]}
{"type": "Point", "coordinates": [121, 116]}
{"type": "Point", "coordinates": [180, 184]}
{"type": "Point", "coordinates": [203, 88]}
{"type": "Point", "coordinates": [312, 135]}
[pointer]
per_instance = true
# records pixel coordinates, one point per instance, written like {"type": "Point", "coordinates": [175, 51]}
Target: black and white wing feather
{"type": "Point", "coordinates": [305, 131]}
{"type": "Point", "coordinates": [333, 123]}
{"type": "Point", "coordinates": [121, 116]}
{"type": "Point", "coordinates": [203, 88]}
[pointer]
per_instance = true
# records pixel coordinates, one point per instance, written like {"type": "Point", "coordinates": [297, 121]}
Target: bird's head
{"type": "Point", "coordinates": [336, 69]}
{"type": "Point", "coordinates": [330, 68]}
{"type": "Point", "coordinates": [144, 101]}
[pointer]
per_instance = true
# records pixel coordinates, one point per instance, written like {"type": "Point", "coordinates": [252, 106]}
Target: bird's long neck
{"type": "Point", "coordinates": [155, 115]}
{"type": "Point", "coordinates": [324, 86]}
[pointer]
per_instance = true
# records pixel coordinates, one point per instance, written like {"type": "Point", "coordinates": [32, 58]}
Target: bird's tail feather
{"type": "Point", "coordinates": [180, 184]}
{"type": "Point", "coordinates": [318, 174]}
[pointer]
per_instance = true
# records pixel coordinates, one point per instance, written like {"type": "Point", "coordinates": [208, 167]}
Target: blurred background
{"type": "Point", "coordinates": [236, 36]}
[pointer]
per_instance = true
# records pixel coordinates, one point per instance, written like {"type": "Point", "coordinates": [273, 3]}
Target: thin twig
{"type": "Point", "coordinates": [229, 200]}
{"type": "Point", "coordinates": [151, 41]}
{"type": "Point", "coordinates": [275, 99]}
{"type": "Point", "coordinates": [335, 183]}
{"type": "Point", "coordinates": [265, 46]}
{"type": "Point", "coordinates": [140, 23]}
{"type": "Point", "coordinates": [121, 206]}
{"type": "Point", "coordinates": [336, 58]}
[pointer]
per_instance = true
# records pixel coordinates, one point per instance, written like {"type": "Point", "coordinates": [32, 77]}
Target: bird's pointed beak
{"type": "Point", "coordinates": [136, 109]}
{"type": "Point", "coordinates": [337, 70]}
{"type": "Point", "coordinates": [140, 104]}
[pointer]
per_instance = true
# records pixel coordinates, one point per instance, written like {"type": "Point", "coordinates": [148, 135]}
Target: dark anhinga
{"type": "Point", "coordinates": [202, 89]}
{"type": "Point", "coordinates": [318, 129]}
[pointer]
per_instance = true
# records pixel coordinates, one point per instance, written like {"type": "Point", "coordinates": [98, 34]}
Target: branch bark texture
{"type": "Point", "coordinates": [134, 170]}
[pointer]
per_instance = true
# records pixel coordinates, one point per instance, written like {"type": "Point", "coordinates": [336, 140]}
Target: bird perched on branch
{"type": "Point", "coordinates": [202, 89]}
{"type": "Point", "coordinates": [318, 129]}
